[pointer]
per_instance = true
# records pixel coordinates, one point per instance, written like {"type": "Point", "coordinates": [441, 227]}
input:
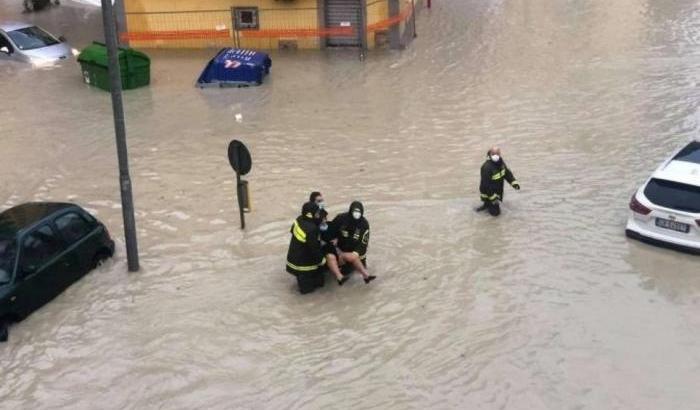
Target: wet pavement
{"type": "Point", "coordinates": [547, 307]}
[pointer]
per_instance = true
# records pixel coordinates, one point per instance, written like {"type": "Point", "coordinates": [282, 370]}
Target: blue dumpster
{"type": "Point", "coordinates": [235, 67]}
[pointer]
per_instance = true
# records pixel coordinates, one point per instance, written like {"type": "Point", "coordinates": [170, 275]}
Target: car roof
{"type": "Point", "coordinates": [685, 172]}
{"type": "Point", "coordinates": [22, 216]}
{"type": "Point", "coordinates": [13, 25]}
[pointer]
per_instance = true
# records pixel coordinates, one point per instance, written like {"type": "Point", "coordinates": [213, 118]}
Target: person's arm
{"type": "Point", "coordinates": [314, 244]}
{"type": "Point", "coordinates": [511, 179]}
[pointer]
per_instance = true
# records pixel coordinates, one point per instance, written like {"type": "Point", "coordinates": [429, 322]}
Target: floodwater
{"type": "Point", "coordinates": [547, 307]}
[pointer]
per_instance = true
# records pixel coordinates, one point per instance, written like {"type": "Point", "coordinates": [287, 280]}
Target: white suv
{"type": "Point", "coordinates": [666, 209]}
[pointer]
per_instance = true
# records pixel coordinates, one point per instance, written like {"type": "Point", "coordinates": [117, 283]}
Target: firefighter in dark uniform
{"type": "Point", "coordinates": [493, 173]}
{"type": "Point", "coordinates": [351, 230]}
{"type": "Point", "coordinates": [304, 258]}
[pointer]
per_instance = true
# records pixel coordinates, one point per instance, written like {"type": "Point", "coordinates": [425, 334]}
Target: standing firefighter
{"type": "Point", "coordinates": [304, 258]}
{"type": "Point", "coordinates": [493, 172]}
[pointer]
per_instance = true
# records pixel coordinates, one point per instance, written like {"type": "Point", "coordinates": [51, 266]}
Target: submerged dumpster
{"type": "Point", "coordinates": [135, 67]}
{"type": "Point", "coordinates": [235, 67]}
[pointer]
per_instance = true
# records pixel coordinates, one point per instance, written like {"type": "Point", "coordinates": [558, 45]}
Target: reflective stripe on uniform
{"type": "Point", "coordinates": [498, 175]}
{"type": "Point", "coordinates": [515, 182]}
{"type": "Point", "coordinates": [298, 232]}
{"type": "Point", "coordinates": [307, 268]}
{"type": "Point", "coordinates": [490, 197]}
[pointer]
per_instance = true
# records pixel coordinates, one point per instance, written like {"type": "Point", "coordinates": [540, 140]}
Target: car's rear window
{"type": "Point", "coordinates": [673, 195]}
{"type": "Point", "coordinates": [691, 153]}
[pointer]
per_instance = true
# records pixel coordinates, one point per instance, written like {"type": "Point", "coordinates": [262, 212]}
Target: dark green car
{"type": "Point", "coordinates": [44, 248]}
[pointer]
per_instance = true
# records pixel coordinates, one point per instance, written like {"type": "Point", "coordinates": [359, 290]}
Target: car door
{"type": "Point", "coordinates": [78, 232]}
{"type": "Point", "coordinates": [43, 266]}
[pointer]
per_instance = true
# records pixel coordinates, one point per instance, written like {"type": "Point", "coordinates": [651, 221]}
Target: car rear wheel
{"type": "Point", "coordinates": [100, 257]}
{"type": "Point", "coordinates": [4, 331]}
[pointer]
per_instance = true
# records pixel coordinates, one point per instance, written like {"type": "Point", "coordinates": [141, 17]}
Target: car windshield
{"type": "Point", "coordinates": [673, 195]}
{"type": "Point", "coordinates": [7, 260]}
{"type": "Point", "coordinates": [30, 38]}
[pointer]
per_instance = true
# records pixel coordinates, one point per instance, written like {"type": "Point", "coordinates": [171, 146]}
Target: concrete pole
{"type": "Point", "coordinates": [132, 253]}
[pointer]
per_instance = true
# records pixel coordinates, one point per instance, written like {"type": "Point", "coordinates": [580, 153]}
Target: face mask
{"type": "Point", "coordinates": [357, 214]}
{"type": "Point", "coordinates": [321, 205]}
{"type": "Point", "coordinates": [323, 227]}
{"type": "Point", "coordinates": [495, 157]}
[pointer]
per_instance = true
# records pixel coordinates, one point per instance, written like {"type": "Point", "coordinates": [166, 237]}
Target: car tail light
{"type": "Point", "coordinates": [637, 207]}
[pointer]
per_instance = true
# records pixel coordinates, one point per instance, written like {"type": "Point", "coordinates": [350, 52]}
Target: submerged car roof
{"type": "Point", "coordinates": [19, 217]}
{"type": "Point", "coordinates": [13, 25]}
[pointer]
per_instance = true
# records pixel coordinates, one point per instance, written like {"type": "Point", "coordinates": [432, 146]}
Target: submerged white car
{"type": "Point", "coordinates": [666, 209]}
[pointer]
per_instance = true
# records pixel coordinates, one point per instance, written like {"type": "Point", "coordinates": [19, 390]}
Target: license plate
{"type": "Point", "coordinates": [672, 225]}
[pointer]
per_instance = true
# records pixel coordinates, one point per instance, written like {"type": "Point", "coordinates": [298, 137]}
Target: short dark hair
{"type": "Point", "coordinates": [314, 195]}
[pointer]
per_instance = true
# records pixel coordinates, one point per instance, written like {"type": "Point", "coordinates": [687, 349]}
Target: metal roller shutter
{"type": "Point", "coordinates": [343, 13]}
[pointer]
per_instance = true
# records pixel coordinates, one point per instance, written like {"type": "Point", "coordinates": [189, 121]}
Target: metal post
{"type": "Point", "coordinates": [413, 9]}
{"type": "Point", "coordinates": [132, 253]}
{"type": "Point", "coordinates": [362, 32]}
{"type": "Point", "coordinates": [239, 194]}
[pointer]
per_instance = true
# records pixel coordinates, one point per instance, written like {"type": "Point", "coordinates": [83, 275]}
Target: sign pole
{"type": "Point", "coordinates": [239, 194]}
{"type": "Point", "coordinates": [132, 252]}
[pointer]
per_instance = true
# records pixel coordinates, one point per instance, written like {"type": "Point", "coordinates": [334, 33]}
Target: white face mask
{"type": "Point", "coordinates": [321, 205]}
{"type": "Point", "coordinates": [495, 157]}
{"type": "Point", "coordinates": [323, 227]}
{"type": "Point", "coordinates": [357, 214]}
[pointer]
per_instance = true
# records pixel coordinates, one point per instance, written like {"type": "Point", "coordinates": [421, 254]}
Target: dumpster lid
{"type": "Point", "coordinates": [96, 53]}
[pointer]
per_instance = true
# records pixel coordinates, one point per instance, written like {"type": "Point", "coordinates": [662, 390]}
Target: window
{"type": "Point", "coordinates": [246, 18]}
{"type": "Point", "coordinates": [691, 153]}
{"type": "Point", "coordinates": [7, 260]}
{"type": "Point", "coordinates": [72, 226]}
{"type": "Point", "coordinates": [6, 43]}
{"type": "Point", "coordinates": [673, 195]}
{"type": "Point", "coordinates": [39, 248]}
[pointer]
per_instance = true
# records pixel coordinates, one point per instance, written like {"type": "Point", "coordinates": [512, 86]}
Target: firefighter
{"type": "Point", "coordinates": [304, 258]}
{"type": "Point", "coordinates": [351, 230]}
{"type": "Point", "coordinates": [493, 172]}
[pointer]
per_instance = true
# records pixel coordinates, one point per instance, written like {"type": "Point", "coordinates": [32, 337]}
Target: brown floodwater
{"type": "Point", "coordinates": [547, 307]}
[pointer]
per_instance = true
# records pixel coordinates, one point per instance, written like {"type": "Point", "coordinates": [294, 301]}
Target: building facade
{"type": "Point", "coordinates": [268, 24]}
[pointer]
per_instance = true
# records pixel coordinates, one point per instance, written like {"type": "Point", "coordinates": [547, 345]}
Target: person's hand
{"type": "Point", "coordinates": [516, 186]}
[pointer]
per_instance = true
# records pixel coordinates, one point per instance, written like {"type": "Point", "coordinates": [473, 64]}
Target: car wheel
{"type": "Point", "coordinates": [4, 331]}
{"type": "Point", "coordinates": [100, 257]}
{"type": "Point", "coordinates": [28, 5]}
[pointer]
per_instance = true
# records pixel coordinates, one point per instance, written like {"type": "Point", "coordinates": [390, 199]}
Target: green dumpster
{"type": "Point", "coordinates": [135, 67]}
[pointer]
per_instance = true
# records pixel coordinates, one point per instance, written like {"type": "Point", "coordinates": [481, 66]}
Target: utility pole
{"type": "Point", "coordinates": [115, 80]}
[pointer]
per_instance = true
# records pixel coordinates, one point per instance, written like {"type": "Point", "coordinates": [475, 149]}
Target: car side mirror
{"type": "Point", "coordinates": [62, 39]}
{"type": "Point", "coordinates": [4, 50]}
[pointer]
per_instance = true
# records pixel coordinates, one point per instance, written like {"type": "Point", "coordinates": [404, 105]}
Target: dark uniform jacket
{"type": "Point", "coordinates": [304, 253]}
{"type": "Point", "coordinates": [352, 234]}
{"type": "Point", "coordinates": [492, 176]}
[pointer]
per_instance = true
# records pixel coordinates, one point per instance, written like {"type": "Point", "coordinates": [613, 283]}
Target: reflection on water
{"type": "Point", "coordinates": [548, 306]}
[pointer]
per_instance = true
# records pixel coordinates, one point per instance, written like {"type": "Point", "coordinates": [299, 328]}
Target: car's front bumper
{"type": "Point", "coordinates": [637, 231]}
